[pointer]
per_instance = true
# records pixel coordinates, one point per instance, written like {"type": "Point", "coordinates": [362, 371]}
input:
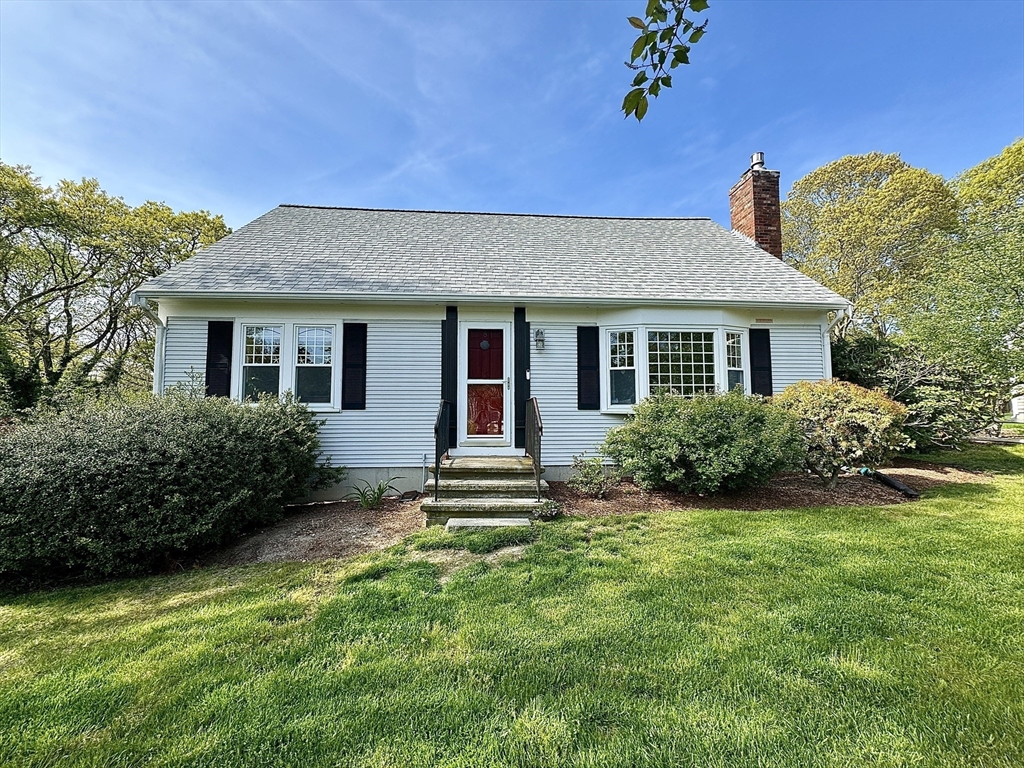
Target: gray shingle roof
{"type": "Point", "coordinates": [357, 253]}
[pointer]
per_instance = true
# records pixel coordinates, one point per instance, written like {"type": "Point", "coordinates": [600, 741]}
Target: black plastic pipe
{"type": "Point", "coordinates": [892, 482]}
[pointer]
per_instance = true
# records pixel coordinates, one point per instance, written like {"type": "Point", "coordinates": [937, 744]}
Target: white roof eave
{"type": "Point", "coordinates": [825, 305]}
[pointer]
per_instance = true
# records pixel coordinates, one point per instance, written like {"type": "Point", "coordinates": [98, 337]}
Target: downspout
{"type": "Point", "coordinates": [161, 335]}
{"type": "Point", "coordinates": [826, 339]}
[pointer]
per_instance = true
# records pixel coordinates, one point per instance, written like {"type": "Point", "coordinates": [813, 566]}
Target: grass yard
{"type": "Point", "coordinates": [826, 637]}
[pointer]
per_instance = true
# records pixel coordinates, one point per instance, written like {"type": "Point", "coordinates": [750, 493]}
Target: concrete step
{"type": "Point", "coordinates": [439, 512]}
{"type": "Point", "coordinates": [489, 466]}
{"type": "Point", "coordinates": [486, 486]}
{"type": "Point", "coordinates": [485, 523]}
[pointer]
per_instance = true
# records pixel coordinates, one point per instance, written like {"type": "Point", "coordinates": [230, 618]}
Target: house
{"type": "Point", "coordinates": [373, 317]}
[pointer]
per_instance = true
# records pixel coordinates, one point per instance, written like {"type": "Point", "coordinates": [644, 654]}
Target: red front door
{"type": "Point", "coordinates": [485, 383]}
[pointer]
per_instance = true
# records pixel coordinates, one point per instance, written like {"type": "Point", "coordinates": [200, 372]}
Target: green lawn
{"type": "Point", "coordinates": [1012, 429]}
{"type": "Point", "coordinates": [866, 636]}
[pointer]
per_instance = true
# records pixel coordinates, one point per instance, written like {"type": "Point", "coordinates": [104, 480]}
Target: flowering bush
{"type": "Point", "coordinates": [844, 425]}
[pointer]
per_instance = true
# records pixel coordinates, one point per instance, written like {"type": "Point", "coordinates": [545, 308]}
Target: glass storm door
{"type": "Point", "coordinates": [487, 385]}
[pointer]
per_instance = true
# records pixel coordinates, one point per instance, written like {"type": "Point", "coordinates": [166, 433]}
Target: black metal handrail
{"type": "Point", "coordinates": [442, 430]}
{"type": "Point", "coordinates": [534, 432]}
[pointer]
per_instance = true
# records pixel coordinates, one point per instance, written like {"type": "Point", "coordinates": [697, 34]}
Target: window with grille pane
{"type": "Point", "coordinates": [681, 362]}
{"type": "Point", "coordinates": [622, 367]}
{"type": "Point", "coordinates": [261, 365]}
{"type": "Point", "coordinates": [314, 347]}
{"type": "Point", "coordinates": [734, 359]}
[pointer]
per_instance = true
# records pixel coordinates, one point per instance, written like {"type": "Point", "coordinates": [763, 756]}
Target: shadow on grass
{"type": "Point", "coordinates": [997, 459]}
{"type": "Point", "coordinates": [477, 542]}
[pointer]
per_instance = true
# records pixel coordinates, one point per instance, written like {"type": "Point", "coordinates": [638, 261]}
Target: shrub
{"type": "Point", "coordinates": [705, 444]}
{"type": "Point", "coordinates": [590, 477]}
{"type": "Point", "coordinates": [845, 425]}
{"type": "Point", "coordinates": [548, 509]}
{"type": "Point", "coordinates": [109, 487]}
{"type": "Point", "coordinates": [946, 403]}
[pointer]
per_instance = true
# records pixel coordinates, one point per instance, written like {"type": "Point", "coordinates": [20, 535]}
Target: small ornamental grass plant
{"type": "Point", "coordinates": [371, 496]}
{"type": "Point", "coordinates": [844, 425]}
{"type": "Point", "coordinates": [705, 444]}
{"type": "Point", "coordinates": [105, 487]}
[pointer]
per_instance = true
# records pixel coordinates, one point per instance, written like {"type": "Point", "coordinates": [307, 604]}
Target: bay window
{"type": "Point", "coordinates": [640, 361]}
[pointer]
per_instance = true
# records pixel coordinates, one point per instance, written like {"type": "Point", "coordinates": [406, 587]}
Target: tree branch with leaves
{"type": "Point", "coordinates": [666, 37]}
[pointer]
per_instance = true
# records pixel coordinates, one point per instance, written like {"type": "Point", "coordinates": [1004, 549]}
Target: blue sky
{"type": "Point", "coordinates": [236, 107]}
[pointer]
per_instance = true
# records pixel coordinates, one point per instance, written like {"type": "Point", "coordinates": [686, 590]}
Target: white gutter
{"type": "Point", "coordinates": [392, 298]}
{"type": "Point", "coordinates": [161, 335]}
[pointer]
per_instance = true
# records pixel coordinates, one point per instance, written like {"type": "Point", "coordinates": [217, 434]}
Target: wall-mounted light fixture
{"type": "Point", "coordinates": [538, 338]}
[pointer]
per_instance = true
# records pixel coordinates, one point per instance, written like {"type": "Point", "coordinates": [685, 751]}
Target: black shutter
{"type": "Point", "coordinates": [353, 367]}
{"type": "Point", "coordinates": [588, 370]}
{"type": "Point", "coordinates": [760, 361]}
{"type": "Point", "coordinates": [450, 364]}
{"type": "Point", "coordinates": [220, 336]}
{"type": "Point", "coordinates": [521, 384]}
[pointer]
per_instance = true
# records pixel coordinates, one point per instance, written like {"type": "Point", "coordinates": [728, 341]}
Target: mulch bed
{"type": "Point", "coordinates": [324, 530]}
{"type": "Point", "coordinates": [787, 490]}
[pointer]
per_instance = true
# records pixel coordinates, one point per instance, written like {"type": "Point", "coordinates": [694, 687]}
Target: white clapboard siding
{"type": "Point", "coordinates": [797, 355]}
{"type": "Point", "coordinates": [403, 389]}
{"type": "Point", "coordinates": [567, 431]}
{"type": "Point", "coordinates": [184, 350]}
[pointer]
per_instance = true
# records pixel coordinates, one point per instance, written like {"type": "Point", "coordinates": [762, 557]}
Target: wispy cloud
{"type": "Point", "coordinates": [237, 106]}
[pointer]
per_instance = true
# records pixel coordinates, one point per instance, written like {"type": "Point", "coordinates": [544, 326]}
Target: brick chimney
{"type": "Point", "coordinates": [754, 206]}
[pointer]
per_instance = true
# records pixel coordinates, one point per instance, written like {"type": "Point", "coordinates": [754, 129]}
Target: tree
{"type": "Point", "coordinates": [946, 401]}
{"type": "Point", "coordinates": [970, 304]}
{"type": "Point", "coordinates": [665, 39]}
{"type": "Point", "coordinates": [867, 226]}
{"type": "Point", "coordinates": [70, 257]}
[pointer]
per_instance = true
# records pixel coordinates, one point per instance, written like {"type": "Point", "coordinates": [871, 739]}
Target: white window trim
{"type": "Point", "coordinates": [744, 357]}
{"type": "Point", "coordinates": [639, 366]}
{"type": "Point", "coordinates": [238, 379]}
{"type": "Point", "coordinates": [289, 351]}
{"type": "Point", "coordinates": [641, 362]}
{"type": "Point", "coordinates": [335, 349]}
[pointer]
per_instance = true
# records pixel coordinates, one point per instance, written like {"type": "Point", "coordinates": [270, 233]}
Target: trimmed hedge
{"type": "Point", "coordinates": [705, 444]}
{"type": "Point", "coordinates": [106, 488]}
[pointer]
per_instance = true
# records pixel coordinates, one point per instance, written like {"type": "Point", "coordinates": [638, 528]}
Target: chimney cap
{"type": "Point", "coordinates": [757, 161]}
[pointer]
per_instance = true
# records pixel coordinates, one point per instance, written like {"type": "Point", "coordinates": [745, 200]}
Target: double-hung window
{"type": "Point", "coordinates": [734, 359]}
{"type": "Point", "coordinates": [681, 362]}
{"type": "Point", "coordinates": [622, 367]}
{"type": "Point", "coordinates": [261, 365]}
{"type": "Point", "coordinates": [314, 356]}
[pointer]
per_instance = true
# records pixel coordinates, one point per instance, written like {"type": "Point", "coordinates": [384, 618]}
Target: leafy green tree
{"type": "Point", "coordinates": [70, 257]}
{"type": "Point", "coordinates": [969, 306]}
{"type": "Point", "coordinates": [867, 226]}
{"type": "Point", "coordinates": [946, 402]}
{"type": "Point", "coordinates": [665, 40]}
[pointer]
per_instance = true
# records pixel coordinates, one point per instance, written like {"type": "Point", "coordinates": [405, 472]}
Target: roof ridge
{"type": "Point", "coordinates": [496, 213]}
